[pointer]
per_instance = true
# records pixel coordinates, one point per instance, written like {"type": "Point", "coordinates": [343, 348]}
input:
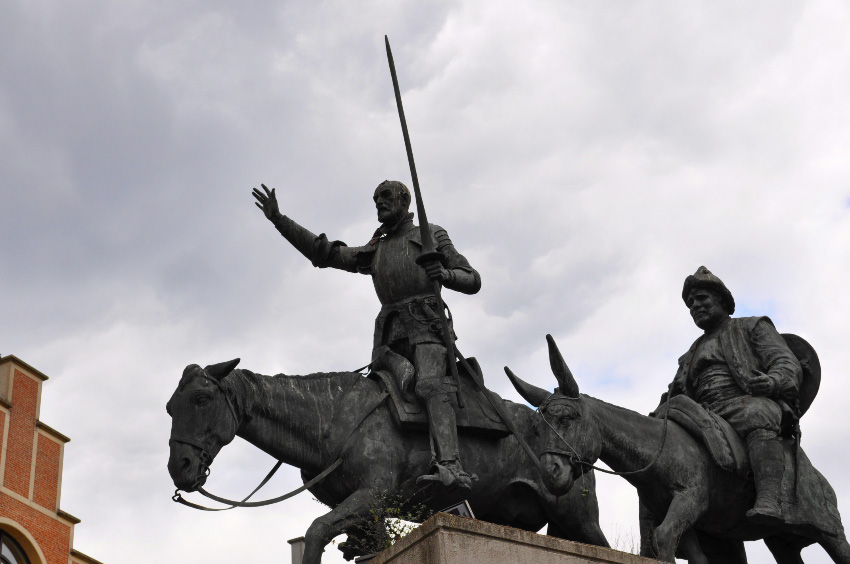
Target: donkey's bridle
{"type": "Point", "coordinates": [573, 456]}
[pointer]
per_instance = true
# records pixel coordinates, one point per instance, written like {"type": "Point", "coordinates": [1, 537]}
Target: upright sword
{"type": "Point", "coordinates": [430, 254]}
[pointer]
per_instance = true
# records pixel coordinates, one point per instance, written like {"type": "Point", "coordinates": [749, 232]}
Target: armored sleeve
{"type": "Point", "coordinates": [323, 253]}
{"type": "Point", "coordinates": [777, 359]}
{"type": "Point", "coordinates": [465, 279]}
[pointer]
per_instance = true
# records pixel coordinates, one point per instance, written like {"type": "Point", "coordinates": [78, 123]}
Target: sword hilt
{"type": "Point", "coordinates": [433, 256]}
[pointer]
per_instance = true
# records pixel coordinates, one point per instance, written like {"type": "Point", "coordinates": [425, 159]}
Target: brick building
{"type": "Point", "coordinates": [33, 529]}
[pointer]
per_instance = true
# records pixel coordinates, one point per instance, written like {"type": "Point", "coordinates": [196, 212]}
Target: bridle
{"type": "Point", "coordinates": [206, 460]}
{"type": "Point", "coordinates": [573, 455]}
{"type": "Point", "coordinates": [206, 457]}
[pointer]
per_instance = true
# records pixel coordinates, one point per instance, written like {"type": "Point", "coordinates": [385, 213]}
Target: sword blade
{"type": "Point", "coordinates": [425, 232]}
{"type": "Point", "coordinates": [428, 248]}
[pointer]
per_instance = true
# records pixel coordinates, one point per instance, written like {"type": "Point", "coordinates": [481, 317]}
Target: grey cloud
{"type": "Point", "coordinates": [581, 156]}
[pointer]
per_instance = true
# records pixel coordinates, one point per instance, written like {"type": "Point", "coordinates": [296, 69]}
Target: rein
{"type": "Point", "coordinates": [206, 459]}
{"type": "Point", "coordinates": [575, 459]}
{"type": "Point", "coordinates": [245, 503]}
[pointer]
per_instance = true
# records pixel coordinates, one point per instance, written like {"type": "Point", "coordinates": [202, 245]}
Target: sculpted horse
{"type": "Point", "coordinates": [310, 421]}
{"type": "Point", "coordinates": [698, 510]}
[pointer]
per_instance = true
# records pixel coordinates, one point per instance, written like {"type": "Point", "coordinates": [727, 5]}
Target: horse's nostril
{"type": "Point", "coordinates": [180, 465]}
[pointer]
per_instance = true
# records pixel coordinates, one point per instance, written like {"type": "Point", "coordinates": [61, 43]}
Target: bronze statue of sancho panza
{"type": "Point", "coordinates": [742, 370]}
{"type": "Point", "coordinates": [409, 321]}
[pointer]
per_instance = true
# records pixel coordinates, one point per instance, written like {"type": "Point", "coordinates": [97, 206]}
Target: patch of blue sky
{"type": "Point", "coordinates": [767, 308]}
{"type": "Point", "coordinates": [608, 379]}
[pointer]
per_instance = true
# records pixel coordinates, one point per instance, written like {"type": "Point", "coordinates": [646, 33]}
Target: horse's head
{"type": "Point", "coordinates": [569, 436]}
{"type": "Point", "coordinates": [203, 419]}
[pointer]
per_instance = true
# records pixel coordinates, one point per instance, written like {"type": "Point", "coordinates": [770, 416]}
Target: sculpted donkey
{"type": "Point", "coordinates": [311, 421]}
{"type": "Point", "coordinates": [698, 509]}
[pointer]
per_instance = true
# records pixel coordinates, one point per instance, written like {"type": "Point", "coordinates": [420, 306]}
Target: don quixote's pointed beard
{"type": "Point", "coordinates": [203, 421]}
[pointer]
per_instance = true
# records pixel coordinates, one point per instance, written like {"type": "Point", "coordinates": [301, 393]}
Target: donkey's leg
{"type": "Point", "coordinates": [591, 533]}
{"type": "Point", "coordinates": [648, 522]}
{"type": "Point", "coordinates": [690, 549]}
{"type": "Point", "coordinates": [575, 515]}
{"type": "Point", "coordinates": [685, 509]}
{"type": "Point", "coordinates": [722, 551]}
{"type": "Point", "coordinates": [334, 523]}
{"type": "Point", "coordinates": [783, 551]}
{"type": "Point", "coordinates": [588, 532]}
{"type": "Point", "coordinates": [837, 548]}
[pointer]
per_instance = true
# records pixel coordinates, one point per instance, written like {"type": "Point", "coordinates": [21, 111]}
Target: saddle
{"type": "Point", "coordinates": [725, 446]}
{"type": "Point", "coordinates": [476, 416]}
{"type": "Point", "coordinates": [806, 498]}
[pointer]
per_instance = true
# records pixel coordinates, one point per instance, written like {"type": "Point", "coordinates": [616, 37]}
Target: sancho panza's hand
{"type": "Point", "coordinates": [267, 202]}
{"type": "Point", "coordinates": [761, 384]}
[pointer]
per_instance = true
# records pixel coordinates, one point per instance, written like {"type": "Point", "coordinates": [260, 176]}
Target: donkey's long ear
{"type": "Point", "coordinates": [566, 382]}
{"type": "Point", "coordinates": [529, 392]}
{"type": "Point", "coordinates": [222, 369]}
{"type": "Point", "coordinates": [189, 369]}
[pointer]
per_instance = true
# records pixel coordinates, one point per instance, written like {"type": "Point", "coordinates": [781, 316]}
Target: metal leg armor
{"type": "Point", "coordinates": [446, 461]}
{"type": "Point", "coordinates": [430, 362]}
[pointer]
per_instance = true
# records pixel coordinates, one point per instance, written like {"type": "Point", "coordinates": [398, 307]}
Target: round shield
{"type": "Point", "coordinates": [807, 356]}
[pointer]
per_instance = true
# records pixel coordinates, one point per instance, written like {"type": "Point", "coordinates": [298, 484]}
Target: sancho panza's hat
{"type": "Point", "coordinates": [703, 278]}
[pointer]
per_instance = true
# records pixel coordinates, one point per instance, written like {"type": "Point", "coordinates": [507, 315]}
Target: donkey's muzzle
{"type": "Point", "coordinates": [558, 475]}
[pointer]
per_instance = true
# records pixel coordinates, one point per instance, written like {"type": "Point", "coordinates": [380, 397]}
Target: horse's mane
{"type": "Point", "coordinates": [318, 375]}
{"type": "Point", "coordinates": [245, 385]}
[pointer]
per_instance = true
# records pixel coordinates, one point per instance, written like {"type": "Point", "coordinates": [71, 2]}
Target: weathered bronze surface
{"type": "Point", "coordinates": [408, 327]}
{"type": "Point", "coordinates": [311, 421]}
{"type": "Point", "coordinates": [374, 424]}
{"type": "Point", "coordinates": [727, 467]}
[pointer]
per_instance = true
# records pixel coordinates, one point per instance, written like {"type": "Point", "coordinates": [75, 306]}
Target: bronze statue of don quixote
{"type": "Point", "coordinates": [717, 463]}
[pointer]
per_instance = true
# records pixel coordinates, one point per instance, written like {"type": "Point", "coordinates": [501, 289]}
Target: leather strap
{"type": "Point", "coordinates": [371, 406]}
{"type": "Point", "coordinates": [245, 503]}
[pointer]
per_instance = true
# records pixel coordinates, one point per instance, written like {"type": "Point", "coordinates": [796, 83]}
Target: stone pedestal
{"type": "Point", "coordinates": [448, 539]}
{"type": "Point", "coordinates": [297, 551]}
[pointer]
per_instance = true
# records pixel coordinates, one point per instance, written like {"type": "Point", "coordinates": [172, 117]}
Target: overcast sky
{"type": "Point", "coordinates": [584, 156]}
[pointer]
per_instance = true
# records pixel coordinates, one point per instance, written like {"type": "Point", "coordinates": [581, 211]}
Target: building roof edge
{"type": "Point", "coordinates": [67, 516]}
{"type": "Point", "coordinates": [16, 360]}
{"type": "Point", "coordinates": [84, 557]}
{"type": "Point", "coordinates": [50, 430]}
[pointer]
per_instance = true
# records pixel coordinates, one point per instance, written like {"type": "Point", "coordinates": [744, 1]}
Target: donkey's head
{"type": "Point", "coordinates": [203, 419]}
{"type": "Point", "coordinates": [569, 436]}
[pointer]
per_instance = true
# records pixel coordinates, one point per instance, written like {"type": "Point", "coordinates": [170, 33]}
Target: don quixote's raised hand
{"type": "Point", "coordinates": [267, 202]}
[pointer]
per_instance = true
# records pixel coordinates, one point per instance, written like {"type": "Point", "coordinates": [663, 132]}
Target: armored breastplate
{"type": "Point", "coordinates": [395, 274]}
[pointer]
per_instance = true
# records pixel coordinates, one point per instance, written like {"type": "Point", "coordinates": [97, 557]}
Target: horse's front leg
{"type": "Point", "coordinates": [685, 509]}
{"type": "Point", "coordinates": [334, 523]}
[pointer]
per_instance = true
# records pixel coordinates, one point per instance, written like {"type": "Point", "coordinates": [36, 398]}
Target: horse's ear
{"type": "Point", "coordinates": [566, 382]}
{"type": "Point", "coordinates": [222, 369]}
{"type": "Point", "coordinates": [529, 392]}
